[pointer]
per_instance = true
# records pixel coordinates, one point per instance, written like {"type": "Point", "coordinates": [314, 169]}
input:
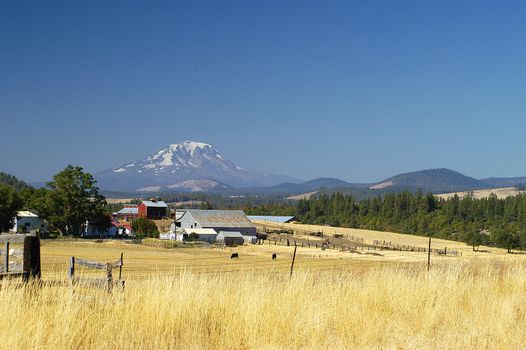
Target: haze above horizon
{"type": "Point", "coordinates": [357, 90]}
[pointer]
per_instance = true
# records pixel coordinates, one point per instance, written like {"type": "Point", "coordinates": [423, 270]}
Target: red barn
{"type": "Point", "coordinates": [153, 210]}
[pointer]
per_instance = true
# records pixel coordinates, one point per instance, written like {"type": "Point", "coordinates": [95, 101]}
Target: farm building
{"type": "Point", "coordinates": [230, 238]}
{"type": "Point", "coordinates": [27, 221]}
{"type": "Point", "coordinates": [127, 213]}
{"type": "Point", "coordinates": [277, 219]}
{"type": "Point", "coordinates": [219, 220]}
{"type": "Point", "coordinates": [125, 230]}
{"type": "Point", "coordinates": [91, 229]}
{"type": "Point", "coordinates": [203, 234]}
{"type": "Point", "coordinates": [153, 210]}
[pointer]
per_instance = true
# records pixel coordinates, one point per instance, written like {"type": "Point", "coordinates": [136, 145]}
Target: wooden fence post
{"type": "Point", "coordinates": [6, 262]}
{"type": "Point", "coordinates": [429, 255]}
{"type": "Point", "coordinates": [31, 264]}
{"type": "Point", "coordinates": [109, 276]}
{"type": "Point", "coordinates": [120, 267]}
{"type": "Point", "coordinates": [293, 259]}
{"type": "Point", "coordinates": [71, 271]}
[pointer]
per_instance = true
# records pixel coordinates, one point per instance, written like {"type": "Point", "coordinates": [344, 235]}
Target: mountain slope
{"type": "Point", "coordinates": [433, 180]}
{"type": "Point", "coordinates": [12, 181]}
{"type": "Point", "coordinates": [176, 164]}
{"type": "Point", "coordinates": [505, 182]}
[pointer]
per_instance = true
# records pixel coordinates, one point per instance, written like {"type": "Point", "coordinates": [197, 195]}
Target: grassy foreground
{"type": "Point", "coordinates": [460, 305]}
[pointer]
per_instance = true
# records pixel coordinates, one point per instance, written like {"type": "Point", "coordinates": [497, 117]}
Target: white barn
{"type": "Point", "coordinates": [219, 220]}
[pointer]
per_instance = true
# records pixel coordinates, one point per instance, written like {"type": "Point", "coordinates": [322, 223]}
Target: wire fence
{"type": "Point", "coordinates": [274, 227]}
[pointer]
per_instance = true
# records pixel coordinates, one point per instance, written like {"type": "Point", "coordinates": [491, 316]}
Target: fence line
{"type": "Point", "coordinates": [351, 247]}
{"type": "Point", "coordinates": [296, 230]}
{"type": "Point", "coordinates": [376, 244]}
{"type": "Point", "coordinates": [107, 283]}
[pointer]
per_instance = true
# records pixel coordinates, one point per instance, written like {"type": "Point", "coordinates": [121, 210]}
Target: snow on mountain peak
{"type": "Point", "coordinates": [179, 155]}
{"type": "Point", "coordinates": [187, 154]}
{"type": "Point", "coordinates": [190, 146]}
{"type": "Point", "coordinates": [185, 161]}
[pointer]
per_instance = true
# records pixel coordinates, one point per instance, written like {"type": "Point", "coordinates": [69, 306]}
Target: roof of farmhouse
{"type": "Point", "coordinates": [219, 218]}
{"type": "Point", "coordinates": [26, 214]}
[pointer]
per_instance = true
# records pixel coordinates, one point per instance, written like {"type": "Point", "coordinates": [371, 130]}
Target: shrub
{"type": "Point", "coordinates": [145, 228]}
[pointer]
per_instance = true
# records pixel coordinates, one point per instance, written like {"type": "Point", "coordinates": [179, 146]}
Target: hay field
{"type": "Point", "coordinates": [142, 261]}
{"type": "Point", "coordinates": [396, 238]}
{"type": "Point", "coordinates": [119, 200]}
{"type": "Point", "coordinates": [501, 193]}
{"type": "Point", "coordinates": [455, 305]}
{"type": "Point", "coordinates": [199, 298]}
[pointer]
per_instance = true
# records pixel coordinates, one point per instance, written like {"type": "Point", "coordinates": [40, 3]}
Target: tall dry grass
{"type": "Point", "coordinates": [462, 305]}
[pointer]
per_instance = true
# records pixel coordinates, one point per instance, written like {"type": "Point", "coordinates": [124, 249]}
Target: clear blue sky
{"type": "Point", "coordinates": [359, 90]}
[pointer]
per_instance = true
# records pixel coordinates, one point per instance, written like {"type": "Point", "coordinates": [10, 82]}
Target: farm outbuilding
{"type": "Point", "coordinates": [127, 213]}
{"type": "Point", "coordinates": [153, 210]}
{"type": "Point", "coordinates": [219, 220]}
{"type": "Point", "coordinates": [92, 229]}
{"type": "Point", "coordinates": [27, 221]}
{"type": "Point", "coordinates": [230, 239]}
{"type": "Point", "coordinates": [203, 234]}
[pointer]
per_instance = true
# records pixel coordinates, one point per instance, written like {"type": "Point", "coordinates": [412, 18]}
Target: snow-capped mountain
{"type": "Point", "coordinates": [190, 166]}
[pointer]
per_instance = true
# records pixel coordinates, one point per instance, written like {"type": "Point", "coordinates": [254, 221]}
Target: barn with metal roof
{"type": "Point", "coordinates": [219, 220]}
{"type": "Point", "coordinates": [153, 210]}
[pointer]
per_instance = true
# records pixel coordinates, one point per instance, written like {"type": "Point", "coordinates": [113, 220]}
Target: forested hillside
{"type": "Point", "coordinates": [12, 181]}
{"type": "Point", "coordinates": [490, 220]}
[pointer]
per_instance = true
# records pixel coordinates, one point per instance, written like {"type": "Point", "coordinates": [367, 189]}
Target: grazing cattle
{"type": "Point", "coordinates": [274, 256]}
{"type": "Point", "coordinates": [234, 256]}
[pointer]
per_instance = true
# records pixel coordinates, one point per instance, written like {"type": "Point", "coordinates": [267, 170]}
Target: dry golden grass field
{"type": "Point", "coordinates": [502, 192]}
{"type": "Point", "coordinates": [199, 298]}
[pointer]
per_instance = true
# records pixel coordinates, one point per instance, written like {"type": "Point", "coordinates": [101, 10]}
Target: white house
{"type": "Point", "coordinates": [27, 221]}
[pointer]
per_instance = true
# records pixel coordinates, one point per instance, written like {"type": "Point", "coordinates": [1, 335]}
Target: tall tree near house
{"type": "Point", "coordinates": [73, 198]}
{"type": "Point", "coordinates": [10, 203]}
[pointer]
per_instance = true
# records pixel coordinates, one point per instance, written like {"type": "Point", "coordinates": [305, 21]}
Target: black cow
{"type": "Point", "coordinates": [274, 256]}
{"type": "Point", "coordinates": [234, 256]}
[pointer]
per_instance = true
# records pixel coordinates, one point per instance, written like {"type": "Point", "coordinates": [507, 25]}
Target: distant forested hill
{"type": "Point", "coordinates": [431, 180]}
{"type": "Point", "coordinates": [13, 181]}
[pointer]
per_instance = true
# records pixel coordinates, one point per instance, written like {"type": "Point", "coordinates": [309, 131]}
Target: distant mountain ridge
{"type": "Point", "coordinates": [192, 166]}
{"type": "Point", "coordinates": [505, 181]}
{"type": "Point", "coordinates": [172, 167]}
{"type": "Point", "coordinates": [431, 180]}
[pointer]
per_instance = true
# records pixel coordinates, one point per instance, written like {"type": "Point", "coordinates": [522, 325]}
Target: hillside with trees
{"type": "Point", "coordinates": [13, 181]}
{"type": "Point", "coordinates": [500, 222]}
